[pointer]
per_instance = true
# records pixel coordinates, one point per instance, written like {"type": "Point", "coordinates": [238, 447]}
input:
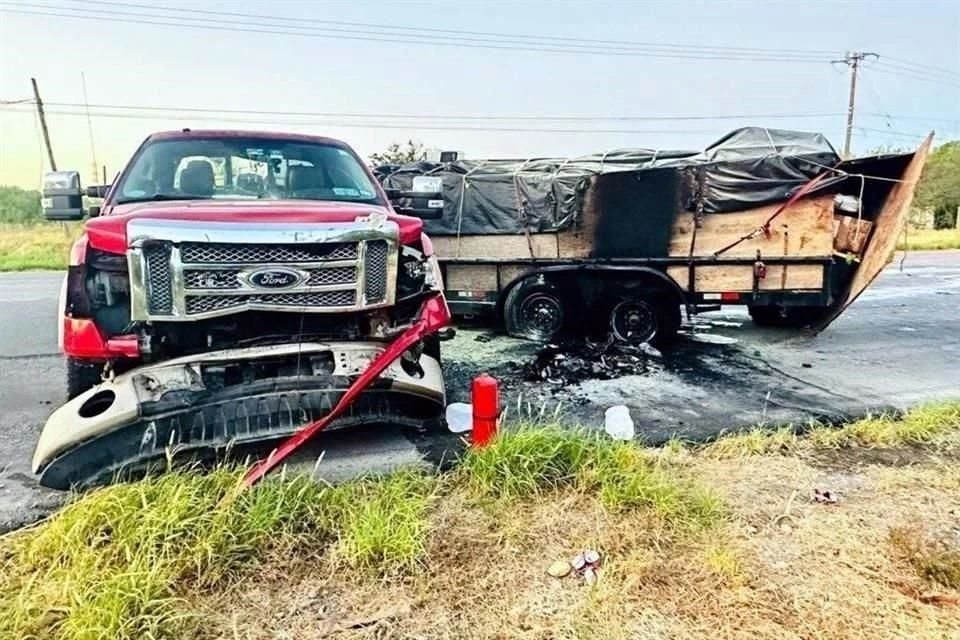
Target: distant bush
{"type": "Point", "coordinates": [19, 205]}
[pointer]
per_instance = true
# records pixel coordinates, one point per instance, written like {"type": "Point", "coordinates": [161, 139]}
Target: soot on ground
{"type": "Point", "coordinates": [572, 362]}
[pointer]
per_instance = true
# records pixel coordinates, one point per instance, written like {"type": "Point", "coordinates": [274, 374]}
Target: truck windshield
{"type": "Point", "coordinates": [245, 168]}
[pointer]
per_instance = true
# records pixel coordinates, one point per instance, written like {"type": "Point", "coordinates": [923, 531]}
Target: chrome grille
{"type": "Point", "coordinates": [221, 253]}
{"type": "Point", "coordinates": [204, 304]}
{"type": "Point", "coordinates": [331, 268]}
{"type": "Point", "coordinates": [336, 275]}
{"type": "Point", "coordinates": [211, 279]}
{"type": "Point", "coordinates": [160, 289]}
{"type": "Point", "coordinates": [376, 263]}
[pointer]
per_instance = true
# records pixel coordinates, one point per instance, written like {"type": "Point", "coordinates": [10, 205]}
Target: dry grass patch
{"type": "Point", "coordinates": [36, 246]}
{"type": "Point", "coordinates": [937, 424]}
{"type": "Point", "coordinates": [936, 561]}
{"type": "Point", "coordinates": [929, 239]}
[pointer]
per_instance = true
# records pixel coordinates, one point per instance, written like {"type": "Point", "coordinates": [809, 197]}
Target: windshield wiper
{"type": "Point", "coordinates": [163, 197]}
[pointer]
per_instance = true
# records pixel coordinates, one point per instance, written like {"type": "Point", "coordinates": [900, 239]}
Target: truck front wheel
{"type": "Point", "coordinates": [82, 375]}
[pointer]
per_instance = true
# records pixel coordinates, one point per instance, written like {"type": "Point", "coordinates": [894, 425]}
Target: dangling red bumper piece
{"type": "Point", "coordinates": [433, 316]}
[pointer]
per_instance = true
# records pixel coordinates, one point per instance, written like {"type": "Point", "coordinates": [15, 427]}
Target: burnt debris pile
{"type": "Point", "coordinates": [572, 362]}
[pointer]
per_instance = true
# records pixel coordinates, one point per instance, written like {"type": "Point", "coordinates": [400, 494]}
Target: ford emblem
{"type": "Point", "coordinates": [274, 278]}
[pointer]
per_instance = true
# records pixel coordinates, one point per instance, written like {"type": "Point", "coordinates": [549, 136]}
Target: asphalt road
{"type": "Point", "coordinates": [897, 346]}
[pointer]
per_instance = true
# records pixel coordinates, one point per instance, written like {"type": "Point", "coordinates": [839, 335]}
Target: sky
{"type": "Point", "coordinates": [551, 67]}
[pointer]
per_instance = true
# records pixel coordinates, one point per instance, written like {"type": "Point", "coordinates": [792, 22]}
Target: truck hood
{"type": "Point", "coordinates": [109, 232]}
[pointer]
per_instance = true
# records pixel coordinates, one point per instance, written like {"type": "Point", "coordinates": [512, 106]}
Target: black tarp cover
{"type": "Point", "coordinates": [747, 168]}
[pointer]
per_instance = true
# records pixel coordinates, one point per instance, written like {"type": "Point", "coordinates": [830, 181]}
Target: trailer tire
{"type": "Point", "coordinates": [785, 317]}
{"type": "Point", "coordinates": [535, 309]}
{"type": "Point", "coordinates": [81, 376]}
{"type": "Point", "coordinates": [655, 319]}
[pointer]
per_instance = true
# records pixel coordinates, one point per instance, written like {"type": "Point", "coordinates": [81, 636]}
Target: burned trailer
{"type": "Point", "coordinates": [620, 242]}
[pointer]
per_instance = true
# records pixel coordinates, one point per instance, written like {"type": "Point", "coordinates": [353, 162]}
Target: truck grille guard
{"type": "Point", "coordinates": [192, 271]}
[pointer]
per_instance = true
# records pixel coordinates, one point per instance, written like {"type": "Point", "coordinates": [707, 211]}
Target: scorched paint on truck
{"type": "Point", "coordinates": [228, 291]}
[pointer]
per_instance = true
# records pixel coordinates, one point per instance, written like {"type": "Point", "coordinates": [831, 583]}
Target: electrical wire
{"type": "Point", "coordinates": [368, 36]}
{"type": "Point", "coordinates": [421, 116]}
{"type": "Point", "coordinates": [480, 117]}
{"type": "Point", "coordinates": [880, 68]}
{"type": "Point", "coordinates": [404, 126]}
{"type": "Point", "coordinates": [360, 125]}
{"type": "Point", "coordinates": [421, 30]}
{"type": "Point", "coordinates": [920, 66]}
{"type": "Point", "coordinates": [904, 134]}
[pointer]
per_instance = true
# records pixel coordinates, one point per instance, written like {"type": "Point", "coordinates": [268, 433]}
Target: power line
{"type": "Point", "coordinates": [894, 133]}
{"type": "Point", "coordinates": [407, 126]}
{"type": "Point", "coordinates": [896, 63]}
{"type": "Point", "coordinates": [421, 116]}
{"type": "Point", "coordinates": [421, 30]}
{"type": "Point", "coordinates": [893, 71]}
{"type": "Point", "coordinates": [921, 66]}
{"type": "Point", "coordinates": [480, 117]}
{"type": "Point", "coordinates": [361, 125]}
{"type": "Point", "coordinates": [368, 36]}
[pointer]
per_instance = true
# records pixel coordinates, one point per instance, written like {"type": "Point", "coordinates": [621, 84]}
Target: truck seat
{"type": "Point", "coordinates": [302, 179]}
{"type": "Point", "coordinates": [197, 179]}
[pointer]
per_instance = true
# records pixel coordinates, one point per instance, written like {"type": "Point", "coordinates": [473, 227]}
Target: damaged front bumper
{"type": "Point", "coordinates": [209, 402]}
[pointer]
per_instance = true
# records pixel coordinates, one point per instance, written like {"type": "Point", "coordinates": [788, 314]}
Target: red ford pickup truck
{"type": "Point", "coordinates": [228, 290]}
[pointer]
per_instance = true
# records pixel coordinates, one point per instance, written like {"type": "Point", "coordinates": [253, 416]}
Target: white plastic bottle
{"type": "Point", "coordinates": [618, 424]}
{"type": "Point", "coordinates": [459, 417]}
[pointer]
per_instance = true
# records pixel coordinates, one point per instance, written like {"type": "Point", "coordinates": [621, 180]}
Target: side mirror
{"type": "Point", "coordinates": [98, 191]}
{"type": "Point", "coordinates": [61, 198]}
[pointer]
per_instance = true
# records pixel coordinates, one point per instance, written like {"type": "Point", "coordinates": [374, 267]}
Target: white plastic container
{"type": "Point", "coordinates": [459, 417]}
{"type": "Point", "coordinates": [618, 424]}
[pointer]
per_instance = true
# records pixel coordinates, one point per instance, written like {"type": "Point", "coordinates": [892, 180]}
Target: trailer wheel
{"type": "Point", "coordinates": [535, 310]}
{"type": "Point", "coordinates": [82, 375]}
{"type": "Point", "coordinates": [649, 318]}
{"type": "Point", "coordinates": [785, 317]}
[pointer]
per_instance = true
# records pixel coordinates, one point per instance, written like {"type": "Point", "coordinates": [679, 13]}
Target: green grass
{"type": "Point", "coordinates": [929, 239]}
{"type": "Point", "coordinates": [924, 424]}
{"type": "Point", "coordinates": [36, 246]}
{"type": "Point", "coordinates": [119, 562]}
{"type": "Point", "coordinates": [534, 461]}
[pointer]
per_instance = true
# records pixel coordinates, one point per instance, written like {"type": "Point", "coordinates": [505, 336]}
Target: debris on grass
{"type": "Point", "coordinates": [937, 562]}
{"type": "Point", "coordinates": [559, 569]}
{"type": "Point", "coordinates": [823, 496]}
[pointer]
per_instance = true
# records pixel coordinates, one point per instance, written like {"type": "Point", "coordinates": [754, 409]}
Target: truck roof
{"type": "Point", "coordinates": [186, 134]}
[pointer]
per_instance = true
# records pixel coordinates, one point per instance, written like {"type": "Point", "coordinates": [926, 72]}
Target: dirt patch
{"type": "Point", "coordinates": [783, 566]}
{"type": "Point", "coordinates": [856, 457]}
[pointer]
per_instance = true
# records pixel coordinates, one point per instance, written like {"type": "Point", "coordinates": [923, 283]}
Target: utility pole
{"type": "Point", "coordinates": [43, 124]}
{"type": "Point", "coordinates": [93, 149]}
{"type": "Point", "coordinates": [853, 60]}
